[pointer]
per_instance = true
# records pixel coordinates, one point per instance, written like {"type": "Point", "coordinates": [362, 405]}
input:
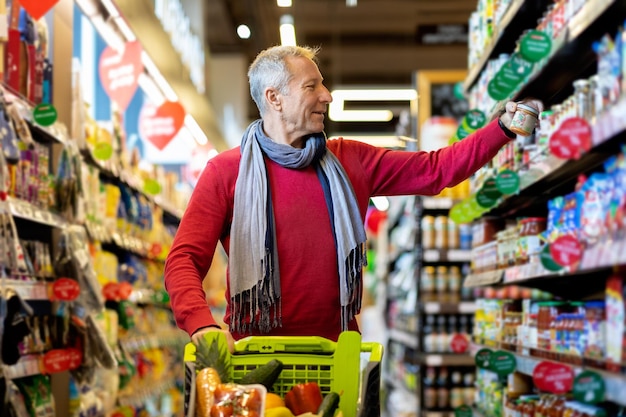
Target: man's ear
{"type": "Point", "coordinates": [273, 98]}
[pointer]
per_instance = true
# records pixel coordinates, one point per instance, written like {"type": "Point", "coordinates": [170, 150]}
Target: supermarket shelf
{"type": "Point", "coordinates": [480, 279]}
{"type": "Point", "coordinates": [519, 16]}
{"type": "Point", "coordinates": [404, 337]}
{"type": "Point", "coordinates": [450, 255]}
{"type": "Point", "coordinates": [27, 211]}
{"type": "Point", "coordinates": [615, 384]}
{"type": "Point", "coordinates": [29, 290]}
{"type": "Point", "coordinates": [27, 365]}
{"type": "Point", "coordinates": [437, 203]}
{"type": "Point", "coordinates": [445, 359]}
{"type": "Point", "coordinates": [437, 414]}
{"type": "Point", "coordinates": [435, 307]}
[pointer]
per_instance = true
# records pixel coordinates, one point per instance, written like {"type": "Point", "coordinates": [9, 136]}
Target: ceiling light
{"type": "Point", "coordinates": [337, 113]}
{"type": "Point", "coordinates": [287, 31]}
{"type": "Point", "coordinates": [243, 31]}
{"type": "Point", "coordinates": [351, 3]}
{"type": "Point", "coordinates": [283, 3]}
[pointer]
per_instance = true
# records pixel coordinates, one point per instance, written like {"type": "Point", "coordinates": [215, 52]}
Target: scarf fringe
{"type": "Point", "coordinates": [356, 260]}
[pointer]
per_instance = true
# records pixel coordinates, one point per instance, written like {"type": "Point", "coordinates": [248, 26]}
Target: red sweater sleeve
{"type": "Point", "coordinates": [377, 171]}
{"type": "Point", "coordinates": [204, 223]}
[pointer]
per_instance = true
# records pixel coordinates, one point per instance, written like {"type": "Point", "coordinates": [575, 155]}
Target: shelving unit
{"type": "Point", "coordinates": [572, 57]}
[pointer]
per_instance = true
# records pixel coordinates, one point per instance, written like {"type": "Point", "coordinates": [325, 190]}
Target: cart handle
{"type": "Point", "coordinates": [375, 349]}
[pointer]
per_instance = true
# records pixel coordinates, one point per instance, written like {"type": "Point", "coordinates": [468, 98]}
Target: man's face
{"type": "Point", "coordinates": [306, 101]}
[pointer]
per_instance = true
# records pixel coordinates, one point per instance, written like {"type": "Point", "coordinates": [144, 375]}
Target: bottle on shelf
{"type": "Point", "coordinates": [430, 388]}
{"type": "Point", "coordinates": [443, 389]}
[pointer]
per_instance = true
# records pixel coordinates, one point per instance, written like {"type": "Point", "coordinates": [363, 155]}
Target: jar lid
{"type": "Point", "coordinates": [528, 108]}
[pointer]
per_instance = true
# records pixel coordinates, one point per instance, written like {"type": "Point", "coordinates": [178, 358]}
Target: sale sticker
{"type": "Point", "coordinates": [459, 343]}
{"type": "Point", "coordinates": [37, 8]}
{"type": "Point", "coordinates": [507, 182]}
{"type": "Point", "coordinates": [556, 378]}
{"type": "Point", "coordinates": [119, 73]}
{"type": "Point", "coordinates": [566, 250]}
{"type": "Point", "coordinates": [65, 289]}
{"type": "Point", "coordinates": [159, 125]}
{"type": "Point", "coordinates": [60, 360]}
{"type": "Point", "coordinates": [572, 139]}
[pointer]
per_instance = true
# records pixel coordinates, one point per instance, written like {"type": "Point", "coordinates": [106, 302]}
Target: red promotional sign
{"type": "Point", "coordinates": [124, 289]}
{"type": "Point", "coordinates": [65, 289]}
{"type": "Point", "coordinates": [459, 343]}
{"type": "Point", "coordinates": [553, 377]}
{"type": "Point", "coordinates": [159, 125]}
{"type": "Point", "coordinates": [566, 250]}
{"type": "Point", "coordinates": [111, 291]}
{"type": "Point", "coordinates": [37, 8]}
{"type": "Point", "coordinates": [571, 139]}
{"type": "Point", "coordinates": [119, 74]}
{"type": "Point", "coordinates": [59, 360]}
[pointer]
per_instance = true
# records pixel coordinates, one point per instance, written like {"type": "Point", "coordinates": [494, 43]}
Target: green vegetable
{"type": "Point", "coordinates": [265, 375]}
{"type": "Point", "coordinates": [329, 405]}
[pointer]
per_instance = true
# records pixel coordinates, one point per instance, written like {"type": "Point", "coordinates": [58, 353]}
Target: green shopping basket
{"type": "Point", "coordinates": [334, 366]}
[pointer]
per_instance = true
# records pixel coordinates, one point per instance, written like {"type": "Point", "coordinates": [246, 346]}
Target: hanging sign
{"type": "Point", "coordinates": [553, 377]}
{"type": "Point", "coordinates": [65, 289]}
{"type": "Point", "coordinates": [572, 139]}
{"type": "Point", "coordinates": [495, 91]}
{"type": "Point", "coordinates": [37, 8]}
{"type": "Point", "coordinates": [566, 250]}
{"type": "Point", "coordinates": [484, 199]}
{"type": "Point", "coordinates": [119, 73]}
{"type": "Point", "coordinates": [159, 125]}
{"type": "Point", "coordinates": [60, 360]}
{"type": "Point", "coordinates": [151, 186]}
{"type": "Point", "coordinates": [589, 387]}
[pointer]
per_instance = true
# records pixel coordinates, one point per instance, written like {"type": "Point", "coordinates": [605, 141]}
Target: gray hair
{"type": "Point", "coordinates": [269, 69]}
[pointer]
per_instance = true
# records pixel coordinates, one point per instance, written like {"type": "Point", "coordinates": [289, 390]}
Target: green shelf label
{"type": "Point", "coordinates": [502, 363]}
{"type": "Point", "coordinates": [45, 114]}
{"type": "Point", "coordinates": [535, 45]}
{"type": "Point", "coordinates": [483, 358]}
{"type": "Point", "coordinates": [463, 411]}
{"type": "Point", "coordinates": [507, 182]}
{"type": "Point", "coordinates": [589, 387]}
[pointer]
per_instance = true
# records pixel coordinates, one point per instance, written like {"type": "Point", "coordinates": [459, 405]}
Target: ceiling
{"type": "Point", "coordinates": [375, 43]}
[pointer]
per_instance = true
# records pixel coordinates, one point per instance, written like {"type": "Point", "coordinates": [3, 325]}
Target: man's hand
{"type": "Point", "coordinates": [195, 338]}
{"type": "Point", "coordinates": [511, 107]}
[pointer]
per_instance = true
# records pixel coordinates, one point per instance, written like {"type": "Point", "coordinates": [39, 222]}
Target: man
{"type": "Point", "coordinates": [288, 207]}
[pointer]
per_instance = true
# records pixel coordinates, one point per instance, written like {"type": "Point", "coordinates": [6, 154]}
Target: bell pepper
{"type": "Point", "coordinates": [304, 398]}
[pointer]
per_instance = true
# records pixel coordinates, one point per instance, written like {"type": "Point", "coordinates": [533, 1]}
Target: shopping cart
{"type": "Point", "coordinates": [334, 366]}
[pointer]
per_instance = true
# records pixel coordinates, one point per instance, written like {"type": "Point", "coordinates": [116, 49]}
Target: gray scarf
{"type": "Point", "coordinates": [253, 258]}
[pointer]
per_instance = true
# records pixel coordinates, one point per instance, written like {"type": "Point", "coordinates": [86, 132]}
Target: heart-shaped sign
{"type": "Point", "coordinates": [37, 8]}
{"type": "Point", "coordinates": [119, 73]}
{"type": "Point", "coordinates": [159, 125]}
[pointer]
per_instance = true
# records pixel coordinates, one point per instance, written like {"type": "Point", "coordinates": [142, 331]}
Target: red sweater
{"type": "Point", "coordinates": [306, 251]}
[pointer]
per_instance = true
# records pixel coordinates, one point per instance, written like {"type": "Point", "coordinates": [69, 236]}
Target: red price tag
{"type": "Point", "coordinates": [572, 139]}
{"type": "Point", "coordinates": [566, 250]}
{"type": "Point", "coordinates": [60, 360]}
{"type": "Point", "coordinates": [65, 289]}
{"type": "Point", "coordinates": [459, 343]}
{"type": "Point", "coordinates": [111, 291]}
{"type": "Point", "coordinates": [553, 377]}
{"type": "Point", "coordinates": [124, 290]}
